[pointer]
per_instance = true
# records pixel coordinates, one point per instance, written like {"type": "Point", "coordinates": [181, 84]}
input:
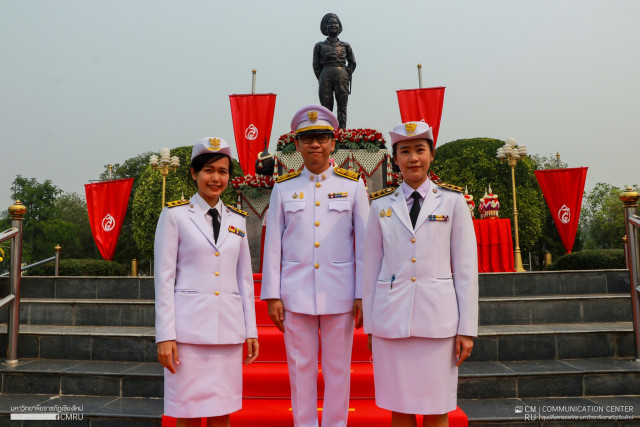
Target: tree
{"type": "Point", "coordinates": [473, 163]}
{"type": "Point", "coordinates": [72, 209]}
{"type": "Point", "coordinates": [603, 215]}
{"type": "Point", "coordinates": [148, 198]}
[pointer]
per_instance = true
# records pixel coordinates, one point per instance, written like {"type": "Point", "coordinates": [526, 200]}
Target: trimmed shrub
{"type": "Point", "coordinates": [597, 259]}
{"type": "Point", "coordinates": [81, 267]}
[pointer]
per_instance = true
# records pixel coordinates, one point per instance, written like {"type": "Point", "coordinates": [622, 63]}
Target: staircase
{"type": "Point", "coordinates": [550, 345]}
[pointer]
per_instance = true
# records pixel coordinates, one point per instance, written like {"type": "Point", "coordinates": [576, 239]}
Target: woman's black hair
{"type": "Point", "coordinates": [200, 161]}
{"type": "Point", "coordinates": [394, 150]}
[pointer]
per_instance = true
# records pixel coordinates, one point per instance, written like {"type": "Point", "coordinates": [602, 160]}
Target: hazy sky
{"type": "Point", "coordinates": [85, 83]}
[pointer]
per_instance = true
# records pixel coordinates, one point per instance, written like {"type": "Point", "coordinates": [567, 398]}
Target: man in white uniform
{"type": "Point", "coordinates": [312, 263]}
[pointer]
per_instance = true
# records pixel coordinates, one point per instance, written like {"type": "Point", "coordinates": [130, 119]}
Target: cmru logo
{"type": "Point", "coordinates": [108, 223]}
{"type": "Point", "coordinates": [564, 214]}
{"type": "Point", "coordinates": [251, 133]}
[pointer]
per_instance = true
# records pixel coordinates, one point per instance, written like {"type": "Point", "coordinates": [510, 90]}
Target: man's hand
{"type": "Point", "coordinates": [357, 313]}
{"type": "Point", "coordinates": [167, 354]}
{"type": "Point", "coordinates": [276, 313]}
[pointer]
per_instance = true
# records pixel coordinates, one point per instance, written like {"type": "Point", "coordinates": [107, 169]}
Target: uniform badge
{"type": "Point", "coordinates": [215, 144]}
{"type": "Point", "coordinates": [295, 196]}
{"type": "Point", "coordinates": [301, 195]}
{"type": "Point", "coordinates": [313, 115]}
{"type": "Point", "coordinates": [382, 213]}
{"type": "Point", "coordinates": [410, 128]}
{"type": "Point", "coordinates": [389, 212]}
{"type": "Point", "coordinates": [237, 231]}
{"type": "Point", "coordinates": [438, 217]}
{"type": "Point", "coordinates": [338, 195]}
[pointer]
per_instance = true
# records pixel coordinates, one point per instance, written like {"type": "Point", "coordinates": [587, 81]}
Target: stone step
{"type": "Point", "coordinates": [494, 343]}
{"type": "Point", "coordinates": [525, 310]}
{"type": "Point", "coordinates": [85, 312]}
{"type": "Point", "coordinates": [491, 285]}
{"type": "Point", "coordinates": [477, 380]}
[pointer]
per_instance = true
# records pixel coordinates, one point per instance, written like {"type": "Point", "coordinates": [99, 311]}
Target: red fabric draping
{"type": "Point", "coordinates": [495, 246]}
{"type": "Point", "coordinates": [107, 204]}
{"type": "Point", "coordinates": [563, 190]}
{"type": "Point", "coordinates": [422, 104]}
{"type": "Point", "coordinates": [252, 120]}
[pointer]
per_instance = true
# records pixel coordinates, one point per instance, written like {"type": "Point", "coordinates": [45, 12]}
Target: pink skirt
{"type": "Point", "coordinates": [207, 383]}
{"type": "Point", "coordinates": [415, 375]}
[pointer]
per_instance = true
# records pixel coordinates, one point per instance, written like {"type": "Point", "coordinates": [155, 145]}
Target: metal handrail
{"type": "Point", "coordinates": [35, 264]}
{"type": "Point", "coordinates": [632, 225]}
{"type": "Point", "coordinates": [16, 211]}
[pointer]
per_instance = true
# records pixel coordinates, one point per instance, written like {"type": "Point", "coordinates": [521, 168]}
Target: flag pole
{"type": "Point", "coordinates": [420, 76]}
{"type": "Point", "coordinates": [253, 82]}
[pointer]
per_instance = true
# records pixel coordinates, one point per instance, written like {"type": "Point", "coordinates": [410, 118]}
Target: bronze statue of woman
{"type": "Point", "coordinates": [333, 64]}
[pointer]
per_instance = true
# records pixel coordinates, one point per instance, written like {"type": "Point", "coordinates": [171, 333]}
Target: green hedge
{"type": "Point", "coordinates": [597, 259]}
{"type": "Point", "coordinates": [81, 267]}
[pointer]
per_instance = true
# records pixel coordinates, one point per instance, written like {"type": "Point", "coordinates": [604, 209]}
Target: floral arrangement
{"type": "Point", "coordinates": [353, 139]}
{"type": "Point", "coordinates": [252, 186]}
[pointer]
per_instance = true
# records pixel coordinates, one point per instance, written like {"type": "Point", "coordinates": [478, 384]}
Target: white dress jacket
{"type": "Point", "coordinates": [434, 293]}
{"type": "Point", "coordinates": [313, 242]}
{"type": "Point", "coordinates": [204, 290]}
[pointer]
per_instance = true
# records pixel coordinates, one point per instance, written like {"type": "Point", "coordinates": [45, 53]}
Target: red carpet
{"type": "Point", "coordinates": [266, 401]}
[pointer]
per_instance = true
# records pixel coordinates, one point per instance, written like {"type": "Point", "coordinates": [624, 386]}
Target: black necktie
{"type": "Point", "coordinates": [415, 208]}
{"type": "Point", "coordinates": [216, 223]}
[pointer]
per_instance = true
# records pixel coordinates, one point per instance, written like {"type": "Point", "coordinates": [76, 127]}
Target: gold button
{"type": "Point", "coordinates": [318, 185]}
{"type": "Point", "coordinates": [413, 279]}
{"type": "Point", "coordinates": [317, 245]}
{"type": "Point", "coordinates": [413, 240]}
{"type": "Point", "coordinates": [317, 202]}
{"type": "Point", "coordinates": [317, 223]}
{"type": "Point", "coordinates": [413, 260]}
{"type": "Point", "coordinates": [217, 292]}
{"type": "Point", "coordinates": [317, 265]}
{"type": "Point", "coordinates": [217, 273]}
{"type": "Point", "coordinates": [217, 253]}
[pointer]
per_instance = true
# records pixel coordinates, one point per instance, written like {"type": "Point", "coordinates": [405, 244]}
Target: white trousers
{"type": "Point", "coordinates": [302, 343]}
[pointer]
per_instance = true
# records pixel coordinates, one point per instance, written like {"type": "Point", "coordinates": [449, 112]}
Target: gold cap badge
{"type": "Point", "coordinates": [215, 144]}
{"type": "Point", "coordinates": [410, 128]}
{"type": "Point", "coordinates": [313, 115]}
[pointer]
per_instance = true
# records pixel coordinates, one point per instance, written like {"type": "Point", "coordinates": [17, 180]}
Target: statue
{"type": "Point", "coordinates": [333, 64]}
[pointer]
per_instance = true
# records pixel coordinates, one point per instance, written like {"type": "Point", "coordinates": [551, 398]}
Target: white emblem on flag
{"type": "Point", "coordinates": [564, 214]}
{"type": "Point", "coordinates": [251, 133]}
{"type": "Point", "coordinates": [108, 223]}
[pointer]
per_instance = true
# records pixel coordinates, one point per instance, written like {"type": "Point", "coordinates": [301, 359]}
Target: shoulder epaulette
{"type": "Point", "coordinates": [382, 193]}
{"type": "Point", "coordinates": [176, 203]}
{"type": "Point", "coordinates": [236, 210]}
{"type": "Point", "coordinates": [451, 187]}
{"type": "Point", "coordinates": [287, 176]}
{"type": "Point", "coordinates": [347, 173]}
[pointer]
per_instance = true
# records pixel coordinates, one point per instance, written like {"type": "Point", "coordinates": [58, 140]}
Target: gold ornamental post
{"type": "Point", "coordinates": [511, 153]}
{"type": "Point", "coordinates": [630, 198]}
{"type": "Point", "coordinates": [165, 164]}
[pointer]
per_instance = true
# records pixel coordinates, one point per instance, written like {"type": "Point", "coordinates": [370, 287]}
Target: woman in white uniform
{"type": "Point", "coordinates": [420, 297]}
{"type": "Point", "coordinates": [205, 308]}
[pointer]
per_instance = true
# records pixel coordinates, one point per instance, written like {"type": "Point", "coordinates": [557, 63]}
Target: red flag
{"type": "Point", "coordinates": [252, 120]}
{"type": "Point", "coordinates": [107, 204]}
{"type": "Point", "coordinates": [563, 190]}
{"type": "Point", "coordinates": [422, 104]}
